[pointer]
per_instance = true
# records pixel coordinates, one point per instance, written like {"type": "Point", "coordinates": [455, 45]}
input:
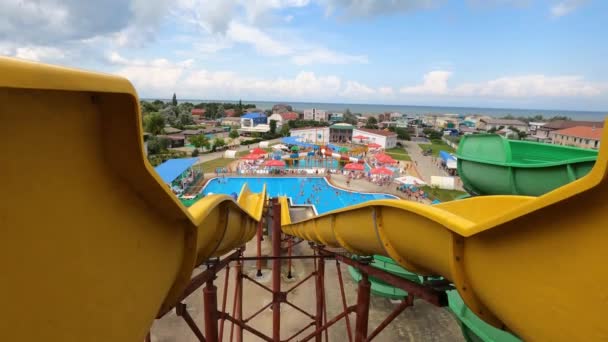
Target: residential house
{"type": "Point", "coordinates": [171, 130]}
{"type": "Point", "coordinates": [197, 113]}
{"type": "Point", "coordinates": [578, 136]}
{"type": "Point", "coordinates": [315, 114]}
{"type": "Point", "coordinates": [229, 113]}
{"type": "Point", "coordinates": [231, 121]}
{"type": "Point", "coordinates": [254, 122]}
{"type": "Point", "coordinates": [543, 132]}
{"type": "Point", "coordinates": [336, 117]}
{"type": "Point", "coordinates": [497, 124]}
{"type": "Point", "coordinates": [281, 108]}
{"type": "Point", "coordinates": [386, 139]}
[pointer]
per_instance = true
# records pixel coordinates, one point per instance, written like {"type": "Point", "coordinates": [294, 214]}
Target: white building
{"type": "Point", "coordinates": [488, 124]}
{"type": "Point", "coordinates": [386, 139]}
{"type": "Point", "coordinates": [315, 114]}
{"type": "Point", "coordinates": [315, 135]}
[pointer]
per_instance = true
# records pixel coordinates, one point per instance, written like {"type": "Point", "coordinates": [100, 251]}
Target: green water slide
{"type": "Point", "coordinates": [489, 164]}
{"type": "Point", "coordinates": [380, 288]}
{"type": "Point", "coordinates": [473, 328]}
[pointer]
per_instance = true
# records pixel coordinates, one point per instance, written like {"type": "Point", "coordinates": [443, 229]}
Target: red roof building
{"type": "Point", "coordinates": [229, 112]}
{"type": "Point", "coordinates": [197, 111]}
{"type": "Point", "coordinates": [289, 116]}
{"type": "Point", "coordinates": [578, 136]}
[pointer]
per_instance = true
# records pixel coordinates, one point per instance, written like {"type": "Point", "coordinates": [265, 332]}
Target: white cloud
{"type": "Point", "coordinates": [435, 82]}
{"type": "Point", "coordinates": [357, 90]}
{"type": "Point", "coordinates": [565, 7]}
{"type": "Point", "coordinates": [387, 91]}
{"type": "Point", "coordinates": [531, 86]}
{"type": "Point", "coordinates": [326, 56]}
{"type": "Point", "coordinates": [262, 42]}
{"type": "Point", "coordinates": [370, 8]}
{"type": "Point", "coordinates": [39, 53]}
{"type": "Point", "coordinates": [523, 86]}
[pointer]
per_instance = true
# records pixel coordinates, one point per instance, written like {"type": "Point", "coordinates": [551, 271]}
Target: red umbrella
{"type": "Point", "coordinates": [252, 156]}
{"type": "Point", "coordinates": [354, 167]}
{"type": "Point", "coordinates": [385, 158]}
{"type": "Point", "coordinates": [258, 150]}
{"type": "Point", "coordinates": [382, 171]}
{"type": "Point", "coordinates": [273, 162]}
{"type": "Point", "coordinates": [360, 137]}
{"type": "Point", "coordinates": [374, 145]}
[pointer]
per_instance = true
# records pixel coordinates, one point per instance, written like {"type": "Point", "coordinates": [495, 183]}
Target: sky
{"type": "Point", "coordinates": [537, 54]}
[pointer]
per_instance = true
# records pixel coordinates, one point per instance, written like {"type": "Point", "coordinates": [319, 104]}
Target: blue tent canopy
{"type": "Point", "coordinates": [445, 156]}
{"type": "Point", "coordinates": [172, 168]}
{"type": "Point", "coordinates": [295, 141]}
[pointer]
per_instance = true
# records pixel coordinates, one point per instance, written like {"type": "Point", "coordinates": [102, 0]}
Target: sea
{"type": "Point", "coordinates": [420, 110]}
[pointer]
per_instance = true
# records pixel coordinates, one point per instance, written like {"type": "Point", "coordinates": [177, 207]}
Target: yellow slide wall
{"type": "Point", "coordinates": [94, 244]}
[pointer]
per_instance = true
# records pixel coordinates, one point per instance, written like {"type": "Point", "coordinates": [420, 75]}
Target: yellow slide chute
{"type": "Point", "coordinates": [94, 244]}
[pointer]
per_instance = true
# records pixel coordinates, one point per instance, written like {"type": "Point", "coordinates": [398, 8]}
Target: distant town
{"type": "Point", "coordinates": [184, 128]}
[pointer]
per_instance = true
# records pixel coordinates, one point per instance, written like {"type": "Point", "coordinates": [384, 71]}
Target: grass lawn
{"type": "Point", "coordinates": [210, 166]}
{"type": "Point", "coordinates": [441, 194]}
{"type": "Point", "coordinates": [398, 153]}
{"type": "Point", "coordinates": [436, 146]}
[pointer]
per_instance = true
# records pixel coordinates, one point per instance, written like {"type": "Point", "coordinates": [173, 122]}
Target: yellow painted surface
{"type": "Point", "coordinates": [535, 266]}
{"type": "Point", "coordinates": [94, 244]}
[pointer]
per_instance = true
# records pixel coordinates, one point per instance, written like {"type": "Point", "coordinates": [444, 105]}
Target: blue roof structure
{"type": "Point", "coordinates": [295, 141]}
{"type": "Point", "coordinates": [446, 156]}
{"type": "Point", "coordinates": [254, 115]}
{"type": "Point", "coordinates": [172, 168]}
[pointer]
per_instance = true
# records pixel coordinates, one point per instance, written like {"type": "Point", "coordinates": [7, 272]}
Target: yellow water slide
{"type": "Point", "coordinates": [94, 244]}
{"type": "Point", "coordinates": [534, 266]}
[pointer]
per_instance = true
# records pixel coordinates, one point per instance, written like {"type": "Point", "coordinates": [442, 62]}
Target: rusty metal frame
{"type": "Point", "coordinates": [431, 291]}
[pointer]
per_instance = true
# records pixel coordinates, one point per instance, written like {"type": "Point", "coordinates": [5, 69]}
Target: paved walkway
{"type": "Point", "coordinates": [424, 164]}
{"type": "Point", "coordinates": [217, 155]}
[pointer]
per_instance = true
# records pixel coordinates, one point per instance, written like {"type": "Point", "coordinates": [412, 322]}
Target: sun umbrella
{"type": "Point", "coordinates": [410, 180]}
{"type": "Point", "coordinates": [360, 137]}
{"type": "Point", "coordinates": [295, 148]}
{"type": "Point", "coordinates": [374, 145]}
{"type": "Point", "coordinates": [354, 167]}
{"type": "Point", "coordinates": [252, 156]}
{"type": "Point", "coordinates": [382, 171]}
{"type": "Point", "coordinates": [258, 150]}
{"type": "Point", "coordinates": [274, 163]}
{"type": "Point", "coordinates": [385, 158]}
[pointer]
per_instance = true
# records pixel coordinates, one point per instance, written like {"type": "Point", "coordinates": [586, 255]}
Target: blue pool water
{"type": "Point", "coordinates": [322, 195]}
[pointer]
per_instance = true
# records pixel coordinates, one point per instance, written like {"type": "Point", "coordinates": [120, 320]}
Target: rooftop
{"type": "Point", "coordinates": [585, 132]}
{"type": "Point", "coordinates": [377, 132]}
{"type": "Point", "coordinates": [342, 126]}
{"type": "Point", "coordinates": [289, 115]}
{"type": "Point", "coordinates": [307, 128]}
{"type": "Point", "coordinates": [254, 115]}
{"type": "Point", "coordinates": [504, 122]}
{"type": "Point", "coordinates": [172, 168]}
{"type": "Point", "coordinates": [561, 124]}
{"type": "Point", "coordinates": [171, 130]}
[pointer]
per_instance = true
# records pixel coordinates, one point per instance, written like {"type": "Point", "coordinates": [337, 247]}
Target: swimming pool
{"type": "Point", "coordinates": [316, 189]}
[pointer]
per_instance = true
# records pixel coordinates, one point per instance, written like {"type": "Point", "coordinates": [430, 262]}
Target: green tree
{"type": "Point", "coordinates": [233, 133]}
{"type": "Point", "coordinates": [154, 123]}
{"type": "Point", "coordinates": [372, 123]}
{"type": "Point", "coordinates": [285, 130]}
{"type": "Point", "coordinates": [199, 141]}
{"type": "Point", "coordinates": [220, 112]}
{"type": "Point", "coordinates": [194, 153]}
{"type": "Point", "coordinates": [402, 134]}
{"type": "Point", "coordinates": [185, 119]}
{"type": "Point", "coordinates": [218, 142]}
{"type": "Point", "coordinates": [174, 100]}
{"type": "Point", "coordinates": [238, 111]}
{"type": "Point", "coordinates": [273, 127]}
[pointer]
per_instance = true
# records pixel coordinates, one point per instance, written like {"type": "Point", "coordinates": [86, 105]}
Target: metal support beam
{"type": "Point", "coordinates": [224, 301]}
{"type": "Point", "coordinates": [362, 309]}
{"type": "Point", "coordinates": [276, 270]}
{"type": "Point", "coordinates": [239, 298]}
{"type": "Point", "coordinates": [319, 288]}
{"type": "Point", "coordinates": [344, 304]}
{"type": "Point", "coordinates": [181, 310]}
{"type": "Point", "coordinates": [407, 302]}
{"type": "Point", "coordinates": [259, 249]}
{"type": "Point", "coordinates": [435, 297]}
{"type": "Point", "coordinates": [211, 313]}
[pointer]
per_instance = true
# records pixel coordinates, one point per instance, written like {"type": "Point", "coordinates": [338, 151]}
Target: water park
{"type": "Point", "coordinates": [277, 249]}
